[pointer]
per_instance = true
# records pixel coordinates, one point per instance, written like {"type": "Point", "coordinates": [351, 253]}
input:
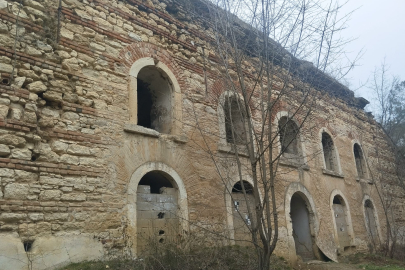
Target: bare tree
{"type": "Point", "coordinates": [261, 75]}
{"type": "Point", "coordinates": [389, 109]}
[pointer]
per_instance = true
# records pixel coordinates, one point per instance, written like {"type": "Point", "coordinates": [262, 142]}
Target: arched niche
{"type": "Point", "coordinates": [372, 222]}
{"type": "Point", "coordinates": [168, 178]}
{"type": "Point", "coordinates": [360, 161]}
{"type": "Point", "coordinates": [330, 153]}
{"type": "Point", "coordinates": [289, 139]}
{"type": "Point", "coordinates": [231, 112]}
{"type": "Point", "coordinates": [154, 96]}
{"type": "Point", "coordinates": [342, 221]}
{"type": "Point", "coordinates": [293, 190]}
{"type": "Point", "coordinates": [230, 197]}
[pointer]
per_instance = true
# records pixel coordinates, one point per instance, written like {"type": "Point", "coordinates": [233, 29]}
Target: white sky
{"type": "Point", "coordinates": [380, 30]}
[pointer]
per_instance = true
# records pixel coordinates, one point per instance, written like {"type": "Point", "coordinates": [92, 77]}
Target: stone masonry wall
{"type": "Point", "coordinates": [71, 160]}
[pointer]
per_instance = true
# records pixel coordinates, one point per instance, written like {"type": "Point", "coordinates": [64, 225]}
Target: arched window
{"type": "Point", "coordinates": [154, 98]}
{"type": "Point", "coordinates": [360, 162]}
{"type": "Point", "coordinates": [329, 152]}
{"type": "Point", "coordinates": [235, 120]}
{"type": "Point", "coordinates": [288, 131]}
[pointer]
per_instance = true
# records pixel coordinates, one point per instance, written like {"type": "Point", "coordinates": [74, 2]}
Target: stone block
{"type": "Point", "coordinates": [32, 51]}
{"type": "Point", "coordinates": [26, 176]}
{"type": "Point", "coordinates": [37, 87]}
{"type": "Point", "coordinates": [4, 101]}
{"type": "Point", "coordinates": [4, 111]}
{"type": "Point", "coordinates": [166, 198]}
{"type": "Point", "coordinates": [60, 147]}
{"type": "Point", "coordinates": [48, 195]}
{"type": "Point", "coordinates": [69, 159]}
{"type": "Point", "coordinates": [4, 150]}
{"type": "Point", "coordinates": [12, 217]}
{"type": "Point", "coordinates": [168, 191]}
{"type": "Point", "coordinates": [70, 116]}
{"type": "Point", "coordinates": [4, 172]}
{"type": "Point", "coordinates": [48, 180]}
{"type": "Point", "coordinates": [36, 216]}
{"type": "Point", "coordinates": [12, 140]}
{"type": "Point", "coordinates": [78, 150]}
{"type": "Point", "coordinates": [24, 154]}
{"type": "Point", "coordinates": [6, 68]}
{"type": "Point", "coordinates": [53, 96]}
{"type": "Point", "coordinates": [73, 197]}
{"type": "Point", "coordinates": [147, 197]}
{"type": "Point", "coordinates": [56, 217]}
{"type": "Point", "coordinates": [143, 189]}
{"type": "Point", "coordinates": [16, 191]}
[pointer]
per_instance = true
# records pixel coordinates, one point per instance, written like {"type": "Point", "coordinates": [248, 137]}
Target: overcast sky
{"type": "Point", "coordinates": [380, 30]}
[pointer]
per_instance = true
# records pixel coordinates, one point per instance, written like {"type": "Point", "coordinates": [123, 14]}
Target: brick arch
{"type": "Point", "coordinates": [135, 51]}
{"type": "Point", "coordinates": [219, 88]}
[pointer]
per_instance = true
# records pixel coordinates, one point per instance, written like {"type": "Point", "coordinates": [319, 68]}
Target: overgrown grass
{"type": "Point", "coordinates": [375, 262]}
{"type": "Point", "coordinates": [377, 267]}
{"type": "Point", "coordinates": [173, 258]}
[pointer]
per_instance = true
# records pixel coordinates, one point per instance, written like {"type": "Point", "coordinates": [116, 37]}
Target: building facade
{"type": "Point", "coordinates": [99, 151]}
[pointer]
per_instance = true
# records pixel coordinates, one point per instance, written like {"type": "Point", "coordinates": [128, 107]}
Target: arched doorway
{"type": "Point", "coordinates": [301, 225]}
{"type": "Point", "coordinates": [242, 219]}
{"type": "Point", "coordinates": [371, 223]}
{"type": "Point", "coordinates": [342, 228]}
{"type": "Point", "coordinates": [157, 205]}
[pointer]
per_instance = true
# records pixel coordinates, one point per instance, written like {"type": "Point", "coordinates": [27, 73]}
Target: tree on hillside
{"type": "Point", "coordinates": [390, 105]}
{"type": "Point", "coordinates": [389, 109]}
{"type": "Point", "coordinates": [261, 76]}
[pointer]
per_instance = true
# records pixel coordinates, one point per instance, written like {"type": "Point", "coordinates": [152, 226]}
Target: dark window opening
{"type": "Point", "coordinates": [235, 120]}
{"type": "Point", "coordinates": [337, 200]}
{"type": "Point", "coordinates": [161, 232]}
{"type": "Point", "coordinates": [368, 204]}
{"type": "Point", "coordinates": [161, 240]}
{"type": "Point", "coordinates": [156, 180]}
{"type": "Point", "coordinates": [237, 188]}
{"type": "Point", "coordinates": [27, 245]}
{"type": "Point", "coordinates": [161, 215]}
{"type": "Point", "coordinates": [154, 93]}
{"type": "Point", "coordinates": [328, 151]}
{"type": "Point", "coordinates": [358, 156]}
{"type": "Point", "coordinates": [288, 131]}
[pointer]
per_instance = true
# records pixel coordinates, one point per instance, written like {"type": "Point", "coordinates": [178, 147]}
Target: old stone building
{"type": "Point", "coordinates": [98, 143]}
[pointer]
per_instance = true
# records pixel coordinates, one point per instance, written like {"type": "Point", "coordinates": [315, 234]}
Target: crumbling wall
{"type": "Point", "coordinates": [68, 150]}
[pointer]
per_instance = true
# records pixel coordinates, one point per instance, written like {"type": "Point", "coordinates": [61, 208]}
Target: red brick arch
{"type": "Point", "coordinates": [136, 51]}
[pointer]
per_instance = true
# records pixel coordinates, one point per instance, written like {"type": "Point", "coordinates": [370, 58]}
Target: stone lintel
{"type": "Point", "coordinates": [132, 128]}
{"type": "Point", "coordinates": [332, 173]}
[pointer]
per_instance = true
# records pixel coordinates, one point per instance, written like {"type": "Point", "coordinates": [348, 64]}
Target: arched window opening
{"type": "Point", "coordinates": [156, 180]}
{"type": "Point", "coordinates": [329, 152]}
{"type": "Point", "coordinates": [242, 219]}
{"type": "Point", "coordinates": [337, 200]}
{"type": "Point", "coordinates": [237, 188]}
{"type": "Point", "coordinates": [154, 93]}
{"type": "Point", "coordinates": [157, 210]}
{"type": "Point", "coordinates": [359, 158]}
{"type": "Point", "coordinates": [235, 120]}
{"type": "Point", "coordinates": [288, 131]}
